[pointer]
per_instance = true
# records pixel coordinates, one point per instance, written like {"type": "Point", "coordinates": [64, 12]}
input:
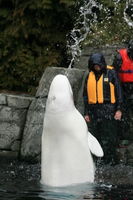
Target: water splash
{"type": "Point", "coordinates": [126, 17]}
{"type": "Point", "coordinates": [80, 31]}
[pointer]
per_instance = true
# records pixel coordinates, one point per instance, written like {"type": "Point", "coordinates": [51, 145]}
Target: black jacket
{"type": "Point", "coordinates": [105, 111]}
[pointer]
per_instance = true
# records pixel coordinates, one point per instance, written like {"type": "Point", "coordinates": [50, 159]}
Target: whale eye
{"type": "Point", "coordinates": [52, 98]}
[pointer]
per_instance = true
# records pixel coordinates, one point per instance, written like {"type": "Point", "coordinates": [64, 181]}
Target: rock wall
{"type": "Point", "coordinates": [13, 113]}
{"type": "Point", "coordinates": [21, 117]}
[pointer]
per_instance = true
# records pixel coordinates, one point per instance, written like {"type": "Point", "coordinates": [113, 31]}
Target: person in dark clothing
{"type": "Point", "coordinates": [103, 104]}
{"type": "Point", "coordinates": [123, 64]}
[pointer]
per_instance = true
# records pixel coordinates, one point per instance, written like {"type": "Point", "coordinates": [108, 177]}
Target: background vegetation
{"type": "Point", "coordinates": [110, 27]}
{"type": "Point", "coordinates": [34, 35]}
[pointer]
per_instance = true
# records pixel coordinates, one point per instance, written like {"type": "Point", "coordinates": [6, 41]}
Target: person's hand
{"type": "Point", "coordinates": [118, 115]}
{"type": "Point", "coordinates": [87, 118]}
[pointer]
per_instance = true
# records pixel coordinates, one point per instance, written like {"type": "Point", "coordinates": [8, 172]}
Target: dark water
{"type": "Point", "coordinates": [21, 181]}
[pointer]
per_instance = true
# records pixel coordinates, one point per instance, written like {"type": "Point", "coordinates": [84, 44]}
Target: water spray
{"type": "Point", "coordinates": [127, 19]}
{"type": "Point", "coordinates": [80, 31]}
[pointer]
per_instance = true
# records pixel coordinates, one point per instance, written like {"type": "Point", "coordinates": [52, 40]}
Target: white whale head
{"type": "Point", "coordinates": [60, 95]}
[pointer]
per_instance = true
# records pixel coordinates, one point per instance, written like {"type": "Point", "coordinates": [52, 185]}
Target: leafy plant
{"type": "Point", "coordinates": [110, 27]}
{"type": "Point", "coordinates": [32, 37]}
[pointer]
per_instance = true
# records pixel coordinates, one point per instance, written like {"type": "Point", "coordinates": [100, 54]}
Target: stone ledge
{"type": "Point", "coordinates": [9, 154]}
{"type": "Point", "coordinates": [19, 101]}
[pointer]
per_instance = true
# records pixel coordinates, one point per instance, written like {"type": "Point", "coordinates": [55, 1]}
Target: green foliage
{"type": "Point", "coordinates": [32, 37]}
{"type": "Point", "coordinates": [110, 27]}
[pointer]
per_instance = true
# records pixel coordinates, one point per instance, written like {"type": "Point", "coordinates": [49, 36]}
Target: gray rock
{"type": "Point", "coordinates": [9, 132]}
{"type": "Point", "coordinates": [16, 101]}
{"type": "Point", "coordinates": [12, 115]}
{"type": "Point", "coordinates": [31, 140]}
{"type": "Point", "coordinates": [12, 122]}
{"type": "Point", "coordinates": [9, 155]}
{"type": "Point", "coordinates": [3, 99]}
{"type": "Point", "coordinates": [16, 145]}
{"type": "Point", "coordinates": [31, 143]}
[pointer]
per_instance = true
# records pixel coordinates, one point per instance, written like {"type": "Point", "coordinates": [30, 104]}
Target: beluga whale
{"type": "Point", "coordinates": [67, 145]}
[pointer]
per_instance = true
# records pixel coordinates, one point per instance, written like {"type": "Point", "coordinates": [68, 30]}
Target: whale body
{"type": "Point", "coordinates": [66, 143]}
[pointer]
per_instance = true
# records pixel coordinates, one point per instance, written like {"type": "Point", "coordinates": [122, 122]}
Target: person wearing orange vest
{"type": "Point", "coordinates": [123, 64]}
{"type": "Point", "coordinates": [103, 104]}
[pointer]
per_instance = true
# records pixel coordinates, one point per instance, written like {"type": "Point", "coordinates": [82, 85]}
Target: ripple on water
{"type": "Point", "coordinates": [21, 181]}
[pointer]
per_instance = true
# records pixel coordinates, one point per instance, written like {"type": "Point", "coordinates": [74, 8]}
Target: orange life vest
{"type": "Point", "coordinates": [126, 70]}
{"type": "Point", "coordinates": [95, 89]}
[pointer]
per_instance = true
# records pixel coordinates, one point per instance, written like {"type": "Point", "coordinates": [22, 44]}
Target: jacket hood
{"type": "Point", "coordinates": [97, 59]}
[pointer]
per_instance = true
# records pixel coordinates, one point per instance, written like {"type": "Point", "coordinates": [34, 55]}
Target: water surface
{"type": "Point", "coordinates": [21, 181]}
